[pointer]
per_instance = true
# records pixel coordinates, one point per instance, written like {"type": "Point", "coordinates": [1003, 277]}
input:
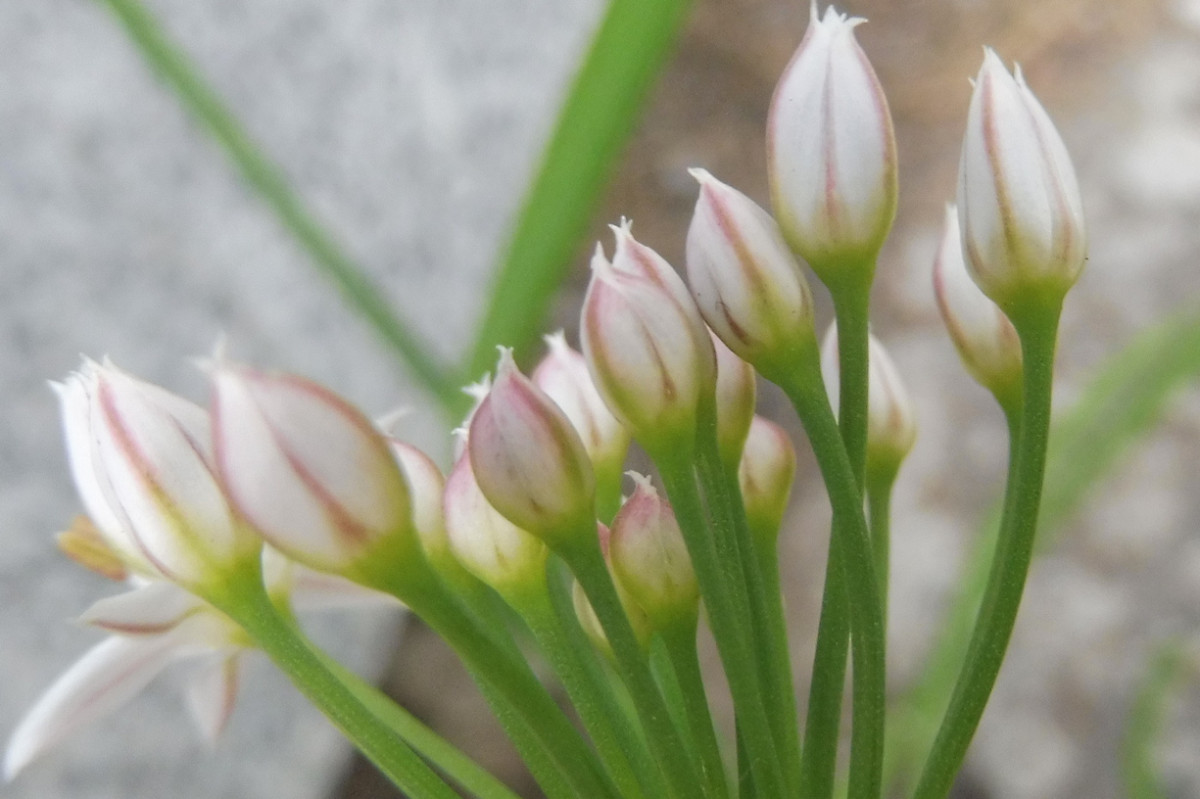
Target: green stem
{"type": "Point", "coordinates": [272, 186]}
{"type": "Point", "coordinates": [666, 744]}
{"type": "Point", "coordinates": [726, 615]}
{"type": "Point", "coordinates": [685, 660]}
{"type": "Point", "coordinates": [564, 643]}
{"type": "Point", "coordinates": [879, 512]}
{"type": "Point", "coordinates": [1014, 550]}
{"type": "Point", "coordinates": [851, 304]}
{"type": "Point", "coordinates": [599, 114]}
{"type": "Point", "coordinates": [243, 598]}
{"type": "Point", "coordinates": [546, 739]}
{"type": "Point", "coordinates": [852, 555]}
{"type": "Point", "coordinates": [724, 498]}
{"type": "Point", "coordinates": [445, 756]}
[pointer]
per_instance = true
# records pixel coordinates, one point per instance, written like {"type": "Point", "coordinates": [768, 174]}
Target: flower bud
{"type": "Point", "coordinates": [425, 489]}
{"type": "Point", "coordinates": [736, 394]}
{"type": "Point", "coordinates": [529, 460]}
{"type": "Point", "coordinates": [313, 475]}
{"type": "Point", "coordinates": [765, 476]}
{"type": "Point", "coordinates": [563, 375]}
{"type": "Point", "coordinates": [746, 283]}
{"type": "Point", "coordinates": [643, 630]}
{"type": "Point", "coordinates": [488, 545]}
{"type": "Point", "coordinates": [985, 338]}
{"type": "Point", "coordinates": [891, 421]}
{"type": "Point", "coordinates": [140, 457]}
{"type": "Point", "coordinates": [646, 346]}
{"type": "Point", "coordinates": [1018, 201]}
{"type": "Point", "coordinates": [831, 150]}
{"type": "Point", "coordinates": [650, 558]}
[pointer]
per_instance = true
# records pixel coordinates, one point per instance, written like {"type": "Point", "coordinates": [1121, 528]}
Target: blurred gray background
{"type": "Point", "coordinates": [410, 126]}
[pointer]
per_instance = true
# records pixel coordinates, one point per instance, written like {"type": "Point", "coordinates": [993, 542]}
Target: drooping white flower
{"type": "Point", "coordinates": [141, 460]}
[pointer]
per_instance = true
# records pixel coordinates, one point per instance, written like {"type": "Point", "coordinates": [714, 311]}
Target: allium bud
{"type": "Point", "coordinates": [650, 558]}
{"type": "Point", "coordinates": [891, 420]}
{"type": "Point", "coordinates": [765, 476]}
{"type": "Point", "coordinates": [563, 375]}
{"type": "Point", "coordinates": [736, 394]}
{"type": "Point", "coordinates": [831, 150]}
{"type": "Point", "coordinates": [425, 488]}
{"type": "Point", "coordinates": [488, 545]}
{"type": "Point", "coordinates": [529, 460]}
{"type": "Point", "coordinates": [312, 474]}
{"type": "Point", "coordinates": [647, 348]}
{"type": "Point", "coordinates": [1018, 201]}
{"type": "Point", "coordinates": [746, 283]}
{"type": "Point", "coordinates": [983, 335]}
{"type": "Point", "coordinates": [141, 459]}
{"type": "Point", "coordinates": [643, 629]}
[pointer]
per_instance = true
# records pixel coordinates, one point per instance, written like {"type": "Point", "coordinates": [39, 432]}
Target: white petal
{"type": "Point", "coordinates": [106, 677]}
{"type": "Point", "coordinates": [314, 590]}
{"type": "Point", "coordinates": [152, 609]}
{"type": "Point", "coordinates": [212, 692]}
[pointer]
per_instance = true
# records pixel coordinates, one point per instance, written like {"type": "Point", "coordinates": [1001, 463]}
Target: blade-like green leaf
{"type": "Point", "coordinates": [1139, 771]}
{"type": "Point", "coordinates": [1119, 407]}
{"type": "Point", "coordinates": [268, 180]}
{"type": "Point", "coordinates": [596, 120]}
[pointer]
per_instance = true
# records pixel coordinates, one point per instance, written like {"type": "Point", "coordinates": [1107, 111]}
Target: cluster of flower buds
{"type": "Point", "coordinates": [283, 477]}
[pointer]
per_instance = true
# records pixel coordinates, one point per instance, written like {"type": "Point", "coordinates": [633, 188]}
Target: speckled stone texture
{"type": "Point", "coordinates": [409, 127]}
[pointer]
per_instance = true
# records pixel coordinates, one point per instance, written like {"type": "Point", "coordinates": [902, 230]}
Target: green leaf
{"type": "Point", "coordinates": [626, 54]}
{"type": "Point", "coordinates": [1139, 771]}
{"type": "Point", "coordinates": [1119, 407]}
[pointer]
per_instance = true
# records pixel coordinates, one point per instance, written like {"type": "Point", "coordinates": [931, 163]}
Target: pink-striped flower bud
{"type": "Point", "coordinates": [985, 338]}
{"type": "Point", "coordinates": [746, 283]}
{"type": "Point", "coordinates": [425, 489]}
{"type": "Point", "coordinates": [765, 475]}
{"type": "Point", "coordinates": [529, 460]}
{"type": "Point", "coordinates": [736, 395]}
{"type": "Point", "coordinates": [891, 420]}
{"type": "Point", "coordinates": [486, 543]}
{"type": "Point", "coordinates": [832, 151]}
{"type": "Point", "coordinates": [650, 558]}
{"type": "Point", "coordinates": [646, 346]}
{"type": "Point", "coordinates": [1018, 202]}
{"type": "Point", "coordinates": [313, 475]}
{"type": "Point", "coordinates": [563, 375]}
{"type": "Point", "coordinates": [141, 459]}
{"type": "Point", "coordinates": [643, 630]}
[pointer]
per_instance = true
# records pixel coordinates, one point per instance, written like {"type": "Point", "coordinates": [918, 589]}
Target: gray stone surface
{"type": "Point", "coordinates": [409, 126]}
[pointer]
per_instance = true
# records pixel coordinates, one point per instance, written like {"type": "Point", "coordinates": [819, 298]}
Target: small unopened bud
{"type": "Point", "coordinates": [765, 475]}
{"type": "Point", "coordinates": [529, 460]}
{"type": "Point", "coordinates": [736, 394]}
{"type": "Point", "coordinates": [650, 558]}
{"type": "Point", "coordinates": [746, 283]}
{"type": "Point", "coordinates": [832, 151]}
{"type": "Point", "coordinates": [891, 420]}
{"type": "Point", "coordinates": [313, 475]}
{"type": "Point", "coordinates": [985, 338]}
{"type": "Point", "coordinates": [425, 489]}
{"type": "Point", "coordinates": [563, 375]}
{"type": "Point", "coordinates": [1018, 201]}
{"type": "Point", "coordinates": [643, 630]}
{"type": "Point", "coordinates": [646, 346]}
{"type": "Point", "coordinates": [488, 545]}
